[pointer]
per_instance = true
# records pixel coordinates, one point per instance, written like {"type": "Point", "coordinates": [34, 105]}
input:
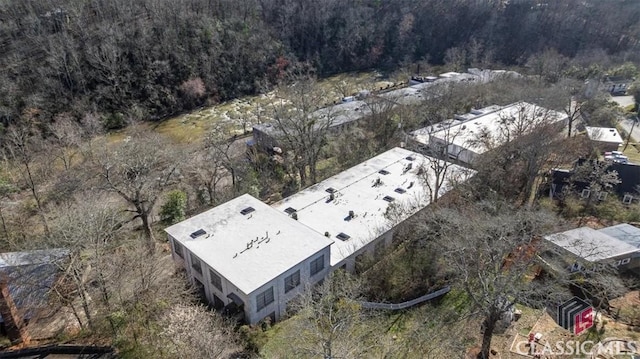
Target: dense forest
{"type": "Point", "coordinates": [148, 59]}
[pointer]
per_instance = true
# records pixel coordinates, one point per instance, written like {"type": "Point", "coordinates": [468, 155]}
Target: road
{"type": "Point", "coordinates": [627, 125]}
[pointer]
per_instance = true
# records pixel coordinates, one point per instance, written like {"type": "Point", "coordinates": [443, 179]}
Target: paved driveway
{"type": "Point", "coordinates": [623, 101]}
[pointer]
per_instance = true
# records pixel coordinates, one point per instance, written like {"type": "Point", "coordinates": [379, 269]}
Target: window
{"type": "Point", "coordinates": [178, 249]}
{"type": "Point", "coordinates": [195, 264]}
{"type": "Point", "coordinates": [585, 193]}
{"type": "Point", "coordinates": [317, 265]}
{"type": "Point", "coordinates": [292, 281]}
{"type": "Point", "coordinates": [379, 248]}
{"type": "Point", "coordinates": [215, 280]}
{"type": "Point", "coordinates": [265, 298]}
{"type": "Point", "coordinates": [627, 199]}
{"type": "Point", "coordinates": [625, 261]}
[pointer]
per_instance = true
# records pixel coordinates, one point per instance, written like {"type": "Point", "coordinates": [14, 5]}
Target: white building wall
{"type": "Point", "coordinates": [349, 263]}
{"type": "Point", "coordinates": [279, 304]}
{"type": "Point", "coordinates": [252, 315]}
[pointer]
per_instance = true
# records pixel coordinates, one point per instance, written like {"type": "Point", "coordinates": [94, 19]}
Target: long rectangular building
{"type": "Point", "coordinates": [257, 257]}
{"type": "Point", "coordinates": [468, 136]}
{"type": "Point", "coordinates": [345, 114]}
{"type": "Point", "coordinates": [352, 207]}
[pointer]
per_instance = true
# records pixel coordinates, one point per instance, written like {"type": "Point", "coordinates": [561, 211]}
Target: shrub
{"type": "Point", "coordinates": [173, 210]}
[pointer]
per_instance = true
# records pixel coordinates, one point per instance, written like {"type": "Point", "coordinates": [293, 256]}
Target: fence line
{"type": "Point", "coordinates": [407, 304]}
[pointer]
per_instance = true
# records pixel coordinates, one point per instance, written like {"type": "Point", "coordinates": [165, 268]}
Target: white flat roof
{"type": "Point", "coordinates": [279, 242]}
{"type": "Point", "coordinates": [449, 74]}
{"type": "Point", "coordinates": [520, 117]}
{"type": "Point", "coordinates": [422, 135]}
{"type": "Point", "coordinates": [624, 232]}
{"type": "Point", "coordinates": [33, 257]}
{"type": "Point", "coordinates": [354, 110]}
{"type": "Point", "coordinates": [604, 134]}
{"type": "Point", "coordinates": [356, 190]}
{"type": "Point", "coordinates": [591, 244]}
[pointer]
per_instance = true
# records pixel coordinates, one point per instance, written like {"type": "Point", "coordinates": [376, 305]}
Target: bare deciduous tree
{"type": "Point", "coordinates": [526, 144]}
{"type": "Point", "coordinates": [598, 179]}
{"type": "Point", "coordinates": [23, 146]}
{"type": "Point", "coordinates": [491, 246]}
{"type": "Point", "coordinates": [193, 331]}
{"type": "Point", "coordinates": [302, 124]}
{"type": "Point", "coordinates": [139, 169]}
{"type": "Point", "coordinates": [90, 230]}
{"type": "Point", "coordinates": [65, 139]}
{"type": "Point", "coordinates": [328, 320]}
{"type": "Point", "coordinates": [219, 150]}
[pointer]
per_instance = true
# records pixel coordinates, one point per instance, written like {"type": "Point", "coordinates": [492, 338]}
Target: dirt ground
{"type": "Point", "coordinates": [513, 342]}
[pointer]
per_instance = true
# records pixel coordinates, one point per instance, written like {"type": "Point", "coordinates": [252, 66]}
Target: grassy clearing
{"type": "Point", "coordinates": [633, 152]}
{"type": "Point", "coordinates": [239, 115]}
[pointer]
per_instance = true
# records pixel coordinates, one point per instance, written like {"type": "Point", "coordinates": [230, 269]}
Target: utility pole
{"type": "Point", "coordinates": [630, 132]}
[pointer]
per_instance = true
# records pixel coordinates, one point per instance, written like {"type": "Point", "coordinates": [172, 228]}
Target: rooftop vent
{"type": "Point", "coordinates": [410, 158]}
{"type": "Point", "coordinates": [343, 236]}
{"type": "Point", "coordinates": [198, 233]}
{"type": "Point", "coordinates": [290, 210]}
{"type": "Point", "coordinates": [331, 190]}
{"type": "Point", "coordinates": [383, 172]}
{"type": "Point", "coordinates": [247, 210]}
{"type": "Point", "coordinates": [388, 198]}
{"type": "Point", "coordinates": [400, 190]}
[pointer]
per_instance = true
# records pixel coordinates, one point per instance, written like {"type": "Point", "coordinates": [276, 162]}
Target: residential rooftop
{"type": "Point", "coordinates": [515, 119]}
{"type": "Point", "coordinates": [592, 245]}
{"type": "Point", "coordinates": [30, 276]}
{"type": "Point", "coordinates": [354, 110]}
{"type": "Point", "coordinates": [625, 233]}
{"type": "Point", "coordinates": [422, 135]}
{"type": "Point", "coordinates": [248, 242]}
{"type": "Point", "coordinates": [604, 134]}
{"type": "Point", "coordinates": [368, 190]}
{"type": "Point", "coordinates": [32, 257]}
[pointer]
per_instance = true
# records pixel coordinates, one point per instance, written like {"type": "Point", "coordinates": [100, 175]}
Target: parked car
{"type": "Point", "coordinates": [616, 156]}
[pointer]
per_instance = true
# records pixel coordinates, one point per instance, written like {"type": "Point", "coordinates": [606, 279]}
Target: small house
{"type": "Point", "coordinates": [617, 245]}
{"type": "Point", "coordinates": [605, 139]}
